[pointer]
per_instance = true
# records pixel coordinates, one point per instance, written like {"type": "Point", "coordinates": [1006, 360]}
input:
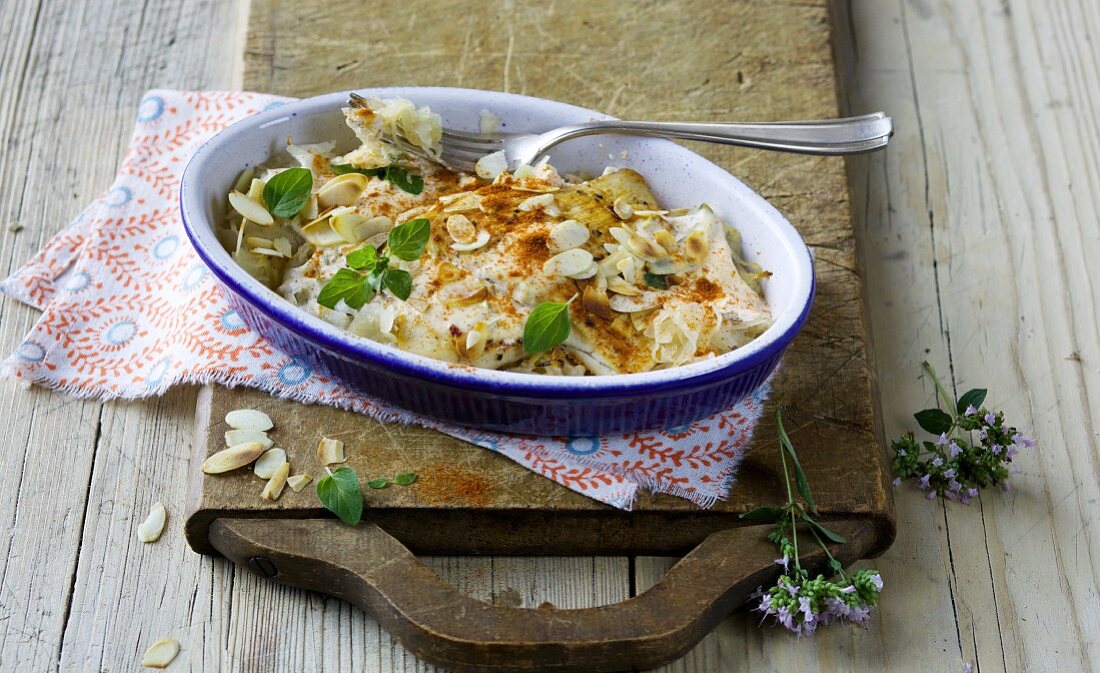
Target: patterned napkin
{"type": "Point", "coordinates": [128, 310]}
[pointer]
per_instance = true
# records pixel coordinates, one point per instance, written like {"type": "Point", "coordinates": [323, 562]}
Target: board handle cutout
{"type": "Point", "coordinates": [370, 568]}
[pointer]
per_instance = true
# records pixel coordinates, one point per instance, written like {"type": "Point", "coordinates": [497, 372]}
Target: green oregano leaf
{"type": "Point", "coordinates": [380, 482]}
{"type": "Point", "coordinates": [407, 240]}
{"type": "Point", "coordinates": [287, 193]}
{"type": "Point", "coordinates": [934, 421]}
{"type": "Point", "coordinates": [404, 479]}
{"type": "Point", "coordinates": [363, 259]}
{"type": "Point", "coordinates": [339, 492]}
{"type": "Point", "coordinates": [404, 180]}
{"type": "Point", "coordinates": [801, 482]}
{"type": "Point", "coordinates": [341, 169]}
{"type": "Point", "coordinates": [839, 539]}
{"type": "Point", "coordinates": [973, 398]}
{"type": "Point", "coordinates": [399, 282]}
{"type": "Point", "coordinates": [656, 281]}
{"type": "Point", "coordinates": [767, 514]}
{"type": "Point", "coordinates": [546, 327]}
{"type": "Point", "coordinates": [347, 284]}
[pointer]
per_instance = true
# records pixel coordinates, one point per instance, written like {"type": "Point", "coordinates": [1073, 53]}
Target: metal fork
{"type": "Point", "coordinates": [851, 135]}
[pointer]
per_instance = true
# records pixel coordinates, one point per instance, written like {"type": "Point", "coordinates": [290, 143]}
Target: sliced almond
{"type": "Point", "coordinates": [235, 437]}
{"type": "Point", "coordinates": [624, 304]}
{"type": "Point", "coordinates": [233, 457]}
{"type": "Point", "coordinates": [620, 286]}
{"type": "Point", "coordinates": [491, 165]}
{"type": "Point", "coordinates": [470, 299]}
{"type": "Point", "coordinates": [479, 242]}
{"type": "Point", "coordinates": [566, 235]}
{"type": "Point", "coordinates": [696, 245]}
{"type": "Point", "coordinates": [544, 201]}
{"type": "Point", "coordinates": [268, 252]}
{"type": "Point", "coordinates": [462, 201]}
{"type": "Point", "coordinates": [282, 244]}
{"type": "Point", "coordinates": [150, 529]}
{"type": "Point", "coordinates": [461, 229]}
{"type": "Point", "coordinates": [258, 242]}
{"type": "Point", "coordinates": [298, 482]}
{"type": "Point", "coordinates": [321, 234]}
{"type": "Point", "coordinates": [571, 263]}
{"type": "Point", "coordinates": [330, 451]}
{"type": "Point", "coordinates": [268, 462]}
{"type": "Point", "coordinates": [665, 238]}
{"type": "Point", "coordinates": [245, 179]}
{"type": "Point", "coordinates": [276, 483]}
{"type": "Point", "coordinates": [596, 302]}
{"type": "Point", "coordinates": [249, 419]}
{"type": "Point", "coordinates": [250, 210]}
{"type": "Point", "coordinates": [342, 190]}
{"type": "Point", "coordinates": [623, 209]}
{"type": "Point", "coordinates": [256, 190]}
{"type": "Point", "coordinates": [354, 228]}
{"type": "Point", "coordinates": [161, 653]}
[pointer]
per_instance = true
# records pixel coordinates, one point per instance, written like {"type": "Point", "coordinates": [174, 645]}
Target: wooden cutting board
{"type": "Point", "coordinates": [727, 60]}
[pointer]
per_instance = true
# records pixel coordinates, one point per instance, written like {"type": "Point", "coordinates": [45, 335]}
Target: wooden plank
{"type": "Point", "coordinates": [78, 591]}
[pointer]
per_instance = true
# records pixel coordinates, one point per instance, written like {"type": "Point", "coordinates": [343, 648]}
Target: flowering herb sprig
{"type": "Point", "coordinates": [972, 449]}
{"type": "Point", "coordinates": [797, 602]}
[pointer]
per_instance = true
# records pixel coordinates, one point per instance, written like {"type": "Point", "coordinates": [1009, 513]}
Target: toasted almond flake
{"type": "Point", "coordinates": [596, 302]}
{"type": "Point", "coordinates": [461, 229]}
{"type": "Point", "coordinates": [268, 252]}
{"type": "Point", "coordinates": [544, 201]}
{"type": "Point", "coordinates": [623, 209]}
{"type": "Point", "coordinates": [298, 482]}
{"type": "Point", "coordinates": [268, 462]}
{"type": "Point", "coordinates": [233, 457]}
{"type": "Point", "coordinates": [570, 263]}
{"type": "Point", "coordinates": [566, 235]}
{"type": "Point", "coordinates": [665, 239]}
{"type": "Point", "coordinates": [469, 300]}
{"type": "Point", "coordinates": [151, 529]}
{"type": "Point", "coordinates": [282, 244]}
{"type": "Point", "coordinates": [643, 302]}
{"type": "Point", "coordinates": [259, 242]}
{"type": "Point", "coordinates": [461, 202]}
{"type": "Point", "coordinates": [245, 179]}
{"type": "Point", "coordinates": [275, 484]}
{"type": "Point", "coordinates": [256, 190]}
{"type": "Point", "coordinates": [491, 165]}
{"type": "Point", "coordinates": [650, 213]}
{"type": "Point", "coordinates": [354, 228]}
{"type": "Point", "coordinates": [320, 233]}
{"type": "Point", "coordinates": [235, 437]}
{"type": "Point", "coordinates": [472, 344]}
{"type": "Point", "coordinates": [342, 190]}
{"type": "Point", "coordinates": [592, 270]}
{"type": "Point", "coordinates": [480, 241]}
{"type": "Point", "coordinates": [249, 419]}
{"type": "Point", "coordinates": [696, 245]}
{"type": "Point", "coordinates": [650, 251]}
{"type": "Point", "coordinates": [330, 451]}
{"type": "Point", "coordinates": [250, 210]}
{"type": "Point", "coordinates": [161, 653]}
{"type": "Point", "coordinates": [620, 286]}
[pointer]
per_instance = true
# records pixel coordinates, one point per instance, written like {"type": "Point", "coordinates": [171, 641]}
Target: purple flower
{"type": "Point", "coordinates": [968, 668]}
{"type": "Point", "coordinates": [1022, 441]}
{"type": "Point", "coordinates": [954, 486]}
{"type": "Point", "coordinates": [924, 482]}
{"type": "Point", "coordinates": [972, 492]}
{"type": "Point", "coordinates": [876, 581]}
{"type": "Point", "coordinates": [949, 473]}
{"type": "Point", "coordinates": [897, 482]}
{"type": "Point", "coordinates": [1010, 453]}
{"type": "Point", "coordinates": [937, 462]}
{"type": "Point", "coordinates": [970, 410]}
{"type": "Point", "coordinates": [964, 499]}
{"type": "Point", "coordinates": [859, 615]}
{"type": "Point", "coordinates": [902, 453]}
{"type": "Point", "coordinates": [955, 449]}
{"type": "Point", "coordinates": [1006, 487]}
{"type": "Point", "coordinates": [785, 562]}
{"type": "Point", "coordinates": [931, 495]}
{"type": "Point", "coordinates": [942, 441]}
{"type": "Point", "coordinates": [990, 419]}
{"type": "Point", "coordinates": [982, 434]}
{"type": "Point", "coordinates": [806, 609]}
{"type": "Point", "coordinates": [996, 449]}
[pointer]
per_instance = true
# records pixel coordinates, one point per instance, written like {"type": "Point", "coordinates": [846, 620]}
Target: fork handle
{"type": "Point", "coordinates": [849, 135]}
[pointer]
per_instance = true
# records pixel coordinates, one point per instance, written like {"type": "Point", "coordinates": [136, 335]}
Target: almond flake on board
{"type": "Point", "coordinates": [269, 462]}
{"type": "Point", "coordinates": [235, 437]}
{"type": "Point", "coordinates": [298, 482]}
{"type": "Point", "coordinates": [233, 457]}
{"type": "Point", "coordinates": [249, 419]}
{"type": "Point", "coordinates": [161, 653]}
{"type": "Point", "coordinates": [330, 451]}
{"type": "Point", "coordinates": [151, 529]}
{"type": "Point", "coordinates": [275, 485]}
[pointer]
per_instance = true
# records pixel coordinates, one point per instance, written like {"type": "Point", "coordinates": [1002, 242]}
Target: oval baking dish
{"type": "Point", "coordinates": [509, 401]}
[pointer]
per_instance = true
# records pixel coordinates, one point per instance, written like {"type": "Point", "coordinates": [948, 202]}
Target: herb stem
{"type": "Point", "coordinates": [940, 390]}
{"type": "Point", "coordinates": [791, 508]}
{"type": "Point", "coordinates": [828, 553]}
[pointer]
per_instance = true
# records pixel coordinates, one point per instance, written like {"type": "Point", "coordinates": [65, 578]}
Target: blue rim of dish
{"type": "Point", "coordinates": [292, 318]}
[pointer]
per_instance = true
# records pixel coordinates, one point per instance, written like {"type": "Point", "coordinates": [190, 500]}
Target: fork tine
{"type": "Point", "coordinates": [474, 138]}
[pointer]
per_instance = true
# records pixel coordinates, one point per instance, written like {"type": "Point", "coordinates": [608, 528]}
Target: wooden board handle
{"type": "Point", "coordinates": [368, 567]}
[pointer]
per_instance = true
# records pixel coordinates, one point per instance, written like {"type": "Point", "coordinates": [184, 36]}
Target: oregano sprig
{"type": "Point", "coordinates": [368, 269]}
{"type": "Point", "coordinates": [797, 602]}
{"type": "Point", "coordinates": [547, 326]}
{"type": "Point", "coordinates": [287, 192]}
{"type": "Point", "coordinates": [971, 450]}
{"type": "Point", "coordinates": [340, 493]}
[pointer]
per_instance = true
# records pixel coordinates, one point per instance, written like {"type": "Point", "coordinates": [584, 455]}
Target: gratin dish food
{"type": "Point", "coordinates": [432, 289]}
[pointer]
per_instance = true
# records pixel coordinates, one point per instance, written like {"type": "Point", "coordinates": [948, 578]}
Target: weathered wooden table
{"type": "Point", "coordinates": [972, 227]}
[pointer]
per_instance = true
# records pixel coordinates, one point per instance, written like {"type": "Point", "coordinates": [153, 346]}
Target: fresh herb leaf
{"type": "Point", "coordinates": [768, 514]}
{"type": "Point", "coordinates": [363, 259]}
{"type": "Point", "coordinates": [656, 281]}
{"type": "Point", "coordinates": [973, 398]}
{"type": "Point", "coordinates": [800, 480]}
{"type": "Point", "coordinates": [339, 492]}
{"type": "Point", "coordinates": [547, 326]}
{"type": "Point", "coordinates": [380, 482]}
{"type": "Point", "coordinates": [399, 282]}
{"type": "Point", "coordinates": [839, 539]}
{"type": "Point", "coordinates": [407, 240]}
{"type": "Point", "coordinates": [351, 286]}
{"type": "Point", "coordinates": [409, 182]}
{"type": "Point", "coordinates": [287, 193]}
{"type": "Point", "coordinates": [934, 421]}
{"type": "Point", "coordinates": [341, 169]}
{"type": "Point", "coordinates": [404, 479]}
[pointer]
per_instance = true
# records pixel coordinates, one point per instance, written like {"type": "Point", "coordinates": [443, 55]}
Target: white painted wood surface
{"type": "Point", "coordinates": [978, 228]}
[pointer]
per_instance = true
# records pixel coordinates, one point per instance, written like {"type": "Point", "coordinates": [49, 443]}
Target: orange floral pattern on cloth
{"type": "Point", "coordinates": [129, 310]}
